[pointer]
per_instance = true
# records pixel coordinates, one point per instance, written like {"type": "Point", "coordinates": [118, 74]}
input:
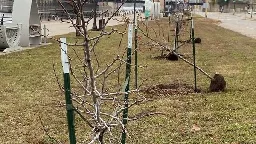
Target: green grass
{"type": "Point", "coordinates": [29, 90]}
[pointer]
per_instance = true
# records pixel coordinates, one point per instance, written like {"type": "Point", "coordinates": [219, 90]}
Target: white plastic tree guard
{"type": "Point", "coordinates": [9, 37]}
{"type": "Point", "coordinates": [26, 13]}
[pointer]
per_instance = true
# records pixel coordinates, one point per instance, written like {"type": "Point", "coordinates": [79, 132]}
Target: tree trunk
{"type": "Point", "coordinates": [78, 23]}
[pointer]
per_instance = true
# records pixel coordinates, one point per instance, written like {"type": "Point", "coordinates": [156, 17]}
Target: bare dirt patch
{"type": "Point", "coordinates": [159, 57]}
{"type": "Point", "coordinates": [174, 88]}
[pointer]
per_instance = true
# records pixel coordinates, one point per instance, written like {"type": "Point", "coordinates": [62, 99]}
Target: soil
{"type": "Point", "coordinates": [197, 40]}
{"type": "Point", "coordinates": [173, 57]}
{"type": "Point", "coordinates": [170, 89]}
{"type": "Point", "coordinates": [218, 83]}
{"type": "Point", "coordinates": [166, 56]}
{"type": "Point", "coordinates": [160, 57]}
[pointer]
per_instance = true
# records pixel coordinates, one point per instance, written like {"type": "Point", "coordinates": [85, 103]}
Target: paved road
{"type": "Point", "coordinates": [241, 23]}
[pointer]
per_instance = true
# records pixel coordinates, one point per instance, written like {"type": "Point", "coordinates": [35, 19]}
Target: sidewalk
{"type": "Point", "coordinates": [55, 28]}
{"type": "Point", "coordinates": [241, 23]}
{"type": "Point", "coordinates": [60, 28]}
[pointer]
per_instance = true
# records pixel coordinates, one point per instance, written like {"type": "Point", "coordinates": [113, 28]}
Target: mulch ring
{"type": "Point", "coordinates": [170, 89]}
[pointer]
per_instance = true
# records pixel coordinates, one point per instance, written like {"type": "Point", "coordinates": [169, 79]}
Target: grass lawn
{"type": "Point", "coordinates": [29, 91]}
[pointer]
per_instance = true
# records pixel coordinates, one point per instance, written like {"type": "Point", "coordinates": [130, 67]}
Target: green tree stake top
{"type": "Point", "coordinates": [194, 51]}
{"type": "Point", "coordinates": [136, 50]}
{"type": "Point", "coordinates": [69, 105]}
{"type": "Point", "coordinates": [127, 80]}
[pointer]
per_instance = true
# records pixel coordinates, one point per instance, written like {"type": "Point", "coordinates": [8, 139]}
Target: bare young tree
{"type": "Point", "coordinates": [165, 33]}
{"type": "Point", "coordinates": [98, 102]}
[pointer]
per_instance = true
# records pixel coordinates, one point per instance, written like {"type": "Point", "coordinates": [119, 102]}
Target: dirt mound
{"type": "Point", "coordinates": [173, 57]}
{"type": "Point", "coordinates": [218, 83]}
{"type": "Point", "coordinates": [170, 89]}
{"type": "Point", "coordinates": [198, 40]}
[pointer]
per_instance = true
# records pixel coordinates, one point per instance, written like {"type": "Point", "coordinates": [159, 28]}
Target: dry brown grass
{"type": "Point", "coordinates": [29, 90]}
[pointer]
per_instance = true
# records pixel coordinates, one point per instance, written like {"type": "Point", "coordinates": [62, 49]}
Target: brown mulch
{"type": "Point", "coordinates": [170, 89]}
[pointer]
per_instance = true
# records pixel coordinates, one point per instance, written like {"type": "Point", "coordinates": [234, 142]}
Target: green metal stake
{"type": "Point", "coordinates": [169, 18]}
{"type": "Point", "coordinates": [127, 80]}
{"type": "Point", "coordinates": [194, 51]}
{"type": "Point", "coordinates": [134, 11]}
{"type": "Point", "coordinates": [177, 37]}
{"type": "Point", "coordinates": [146, 21]}
{"type": "Point", "coordinates": [69, 105]}
{"type": "Point", "coordinates": [190, 32]}
{"type": "Point", "coordinates": [136, 51]}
